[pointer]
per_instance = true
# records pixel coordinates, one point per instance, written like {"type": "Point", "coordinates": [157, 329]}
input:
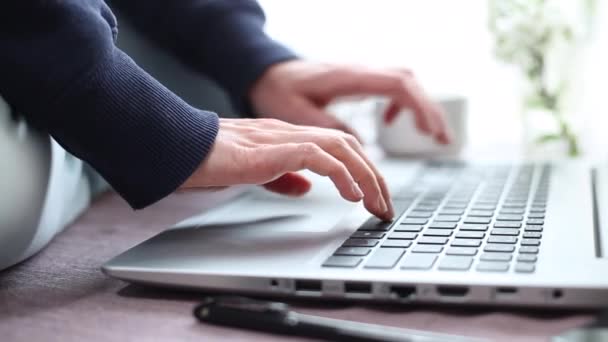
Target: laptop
{"type": "Point", "coordinates": [480, 233]}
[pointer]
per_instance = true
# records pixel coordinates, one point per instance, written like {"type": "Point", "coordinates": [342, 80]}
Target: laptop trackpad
{"type": "Point", "coordinates": [261, 211]}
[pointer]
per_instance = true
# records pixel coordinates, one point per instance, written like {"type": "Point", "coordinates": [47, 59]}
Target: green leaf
{"type": "Point", "coordinates": [547, 138]}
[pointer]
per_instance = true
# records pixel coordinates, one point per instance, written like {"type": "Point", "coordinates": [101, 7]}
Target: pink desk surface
{"type": "Point", "coordinates": [61, 295]}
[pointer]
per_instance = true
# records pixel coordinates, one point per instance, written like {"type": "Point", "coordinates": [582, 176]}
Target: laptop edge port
{"type": "Point", "coordinates": [308, 285]}
{"type": "Point", "coordinates": [357, 287]}
{"type": "Point", "coordinates": [403, 291]}
{"type": "Point", "coordinates": [453, 291]}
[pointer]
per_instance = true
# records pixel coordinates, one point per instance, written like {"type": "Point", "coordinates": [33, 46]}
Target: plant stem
{"type": "Point", "coordinates": [551, 103]}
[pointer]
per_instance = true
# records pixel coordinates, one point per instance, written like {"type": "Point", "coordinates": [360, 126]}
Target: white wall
{"type": "Point", "coordinates": [445, 42]}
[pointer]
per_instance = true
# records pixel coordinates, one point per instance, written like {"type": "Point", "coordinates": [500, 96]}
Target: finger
{"type": "Point", "coordinates": [423, 112]}
{"type": "Point", "coordinates": [391, 112]}
{"type": "Point", "coordinates": [445, 133]}
{"type": "Point", "coordinates": [339, 145]}
{"type": "Point", "coordinates": [381, 182]}
{"type": "Point", "coordinates": [294, 157]}
{"type": "Point", "coordinates": [290, 184]}
{"type": "Point", "coordinates": [400, 85]}
{"type": "Point", "coordinates": [426, 109]}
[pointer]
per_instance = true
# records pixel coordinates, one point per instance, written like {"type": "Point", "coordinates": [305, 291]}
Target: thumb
{"type": "Point", "coordinates": [289, 184]}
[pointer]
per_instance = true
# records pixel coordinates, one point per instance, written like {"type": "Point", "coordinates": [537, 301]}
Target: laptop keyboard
{"type": "Point", "coordinates": [457, 217]}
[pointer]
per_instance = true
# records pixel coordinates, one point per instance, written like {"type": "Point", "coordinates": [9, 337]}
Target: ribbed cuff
{"type": "Point", "coordinates": [143, 139]}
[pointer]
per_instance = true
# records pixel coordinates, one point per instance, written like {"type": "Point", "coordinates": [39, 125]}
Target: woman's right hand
{"type": "Point", "coordinates": [268, 152]}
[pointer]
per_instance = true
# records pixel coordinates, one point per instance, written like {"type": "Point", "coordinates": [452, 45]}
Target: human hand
{"type": "Point", "coordinates": [269, 152]}
{"type": "Point", "coordinates": [297, 92]}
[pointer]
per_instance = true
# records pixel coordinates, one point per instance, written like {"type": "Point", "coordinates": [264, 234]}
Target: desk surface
{"type": "Point", "coordinates": [61, 295]}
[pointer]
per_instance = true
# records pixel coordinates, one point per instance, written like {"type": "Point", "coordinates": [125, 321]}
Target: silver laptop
{"type": "Point", "coordinates": [474, 233]}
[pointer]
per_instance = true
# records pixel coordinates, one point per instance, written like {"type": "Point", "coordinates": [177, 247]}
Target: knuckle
{"type": "Point", "coordinates": [337, 169]}
{"type": "Point", "coordinates": [271, 122]}
{"type": "Point", "coordinates": [309, 149]}
{"type": "Point", "coordinates": [350, 139]}
{"type": "Point", "coordinates": [338, 143]}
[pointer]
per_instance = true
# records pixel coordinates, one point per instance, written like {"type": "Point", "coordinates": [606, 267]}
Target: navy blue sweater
{"type": "Point", "coordinates": [60, 68]}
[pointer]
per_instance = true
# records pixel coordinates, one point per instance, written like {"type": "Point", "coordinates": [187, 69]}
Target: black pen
{"type": "Point", "coordinates": [277, 318]}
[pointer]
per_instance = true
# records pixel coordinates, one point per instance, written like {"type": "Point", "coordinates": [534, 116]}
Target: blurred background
{"type": "Point", "coordinates": [450, 47]}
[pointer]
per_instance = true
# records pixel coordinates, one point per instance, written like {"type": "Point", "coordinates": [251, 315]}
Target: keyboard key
{"type": "Point", "coordinates": [514, 205]}
{"type": "Point", "coordinates": [527, 258]}
{"type": "Point", "coordinates": [342, 261]}
{"type": "Point", "coordinates": [455, 263]}
{"type": "Point", "coordinates": [524, 268]}
{"type": "Point", "coordinates": [510, 218]}
{"type": "Point", "coordinates": [443, 225]}
{"type": "Point", "coordinates": [470, 235]}
{"type": "Point", "coordinates": [493, 266]}
{"type": "Point", "coordinates": [535, 221]}
{"type": "Point", "coordinates": [456, 205]}
{"type": "Point", "coordinates": [416, 221]}
{"type": "Point", "coordinates": [432, 240]}
{"type": "Point", "coordinates": [385, 258]}
{"type": "Point", "coordinates": [408, 228]}
{"type": "Point", "coordinates": [533, 229]}
{"type": "Point", "coordinates": [502, 239]}
{"type": "Point", "coordinates": [447, 218]}
{"type": "Point", "coordinates": [532, 235]}
{"type": "Point", "coordinates": [427, 249]}
{"type": "Point", "coordinates": [536, 215]}
{"type": "Point", "coordinates": [360, 243]}
{"type": "Point", "coordinates": [396, 243]}
{"type": "Point", "coordinates": [420, 214]}
{"type": "Point", "coordinates": [466, 243]}
{"type": "Point", "coordinates": [530, 242]}
{"type": "Point", "coordinates": [461, 251]}
{"type": "Point", "coordinates": [481, 213]}
{"type": "Point", "coordinates": [375, 224]}
{"type": "Point", "coordinates": [477, 220]}
{"type": "Point", "coordinates": [437, 232]}
{"type": "Point", "coordinates": [425, 208]}
{"type": "Point", "coordinates": [429, 201]}
{"type": "Point", "coordinates": [494, 247]}
{"type": "Point", "coordinates": [474, 227]}
{"type": "Point", "coordinates": [418, 261]}
{"type": "Point", "coordinates": [402, 235]}
{"type": "Point", "coordinates": [486, 201]}
{"type": "Point", "coordinates": [504, 231]}
{"type": "Point", "coordinates": [512, 211]}
{"type": "Point", "coordinates": [448, 211]}
{"type": "Point", "coordinates": [353, 251]}
{"type": "Point", "coordinates": [537, 209]}
{"type": "Point", "coordinates": [528, 249]}
{"type": "Point", "coordinates": [484, 207]}
{"type": "Point", "coordinates": [507, 224]}
{"type": "Point", "coordinates": [496, 257]}
{"type": "Point", "coordinates": [368, 235]}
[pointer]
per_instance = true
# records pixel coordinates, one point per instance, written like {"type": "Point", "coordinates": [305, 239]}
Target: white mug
{"type": "Point", "coordinates": [402, 138]}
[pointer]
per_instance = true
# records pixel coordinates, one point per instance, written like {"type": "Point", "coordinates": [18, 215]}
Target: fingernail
{"type": "Point", "coordinates": [391, 210]}
{"type": "Point", "coordinates": [382, 205]}
{"type": "Point", "coordinates": [357, 190]}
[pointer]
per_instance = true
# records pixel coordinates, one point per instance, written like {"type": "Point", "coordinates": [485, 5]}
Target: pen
{"type": "Point", "coordinates": [274, 317]}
